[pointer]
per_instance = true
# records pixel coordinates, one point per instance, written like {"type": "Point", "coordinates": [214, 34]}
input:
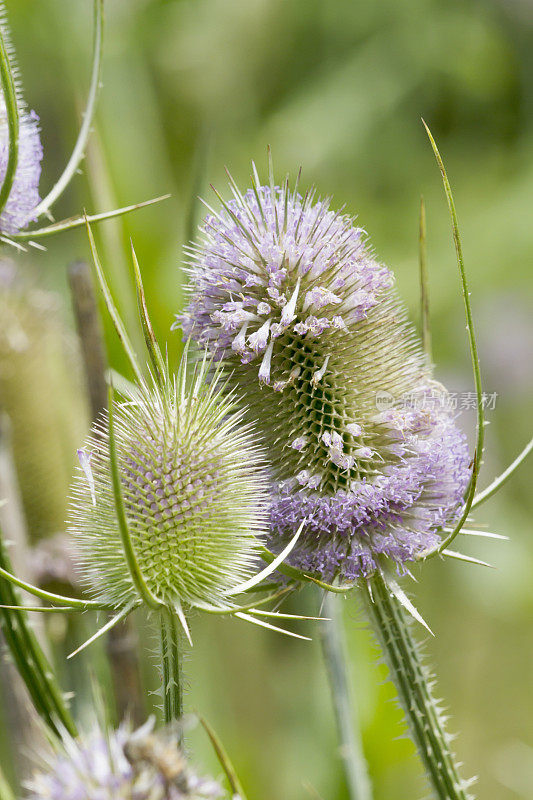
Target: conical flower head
{"type": "Point", "coordinates": [193, 490]}
{"type": "Point", "coordinates": [119, 765]}
{"type": "Point", "coordinates": [24, 195]}
{"type": "Point", "coordinates": [362, 441]}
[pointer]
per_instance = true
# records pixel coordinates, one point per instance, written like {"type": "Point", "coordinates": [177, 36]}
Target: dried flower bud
{"type": "Point", "coordinates": [194, 495]}
{"type": "Point", "coordinates": [288, 293]}
{"type": "Point", "coordinates": [120, 765]}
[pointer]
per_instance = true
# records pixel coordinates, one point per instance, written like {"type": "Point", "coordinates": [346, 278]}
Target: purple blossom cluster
{"type": "Point", "coordinates": [120, 765]}
{"type": "Point", "coordinates": [274, 262]}
{"type": "Point", "coordinates": [395, 513]}
{"type": "Point", "coordinates": [286, 291]}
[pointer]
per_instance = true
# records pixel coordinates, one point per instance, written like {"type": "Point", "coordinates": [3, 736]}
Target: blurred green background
{"type": "Point", "coordinates": [336, 87]}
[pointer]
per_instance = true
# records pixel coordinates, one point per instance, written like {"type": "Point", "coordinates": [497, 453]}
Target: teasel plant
{"type": "Point", "coordinates": [168, 513]}
{"type": "Point", "coordinates": [365, 453]}
{"type": "Point", "coordinates": [22, 212]}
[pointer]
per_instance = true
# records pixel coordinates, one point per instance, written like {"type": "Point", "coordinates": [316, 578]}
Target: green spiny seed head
{"type": "Point", "coordinates": [194, 494]}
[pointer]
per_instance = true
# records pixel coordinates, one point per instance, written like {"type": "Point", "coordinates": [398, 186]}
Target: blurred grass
{"type": "Point", "coordinates": [338, 88]}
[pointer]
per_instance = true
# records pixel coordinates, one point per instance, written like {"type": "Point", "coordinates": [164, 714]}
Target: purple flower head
{"type": "Point", "coordinates": [361, 440]}
{"type": "Point", "coordinates": [119, 765]}
{"type": "Point", "coordinates": [274, 268]}
{"type": "Point", "coordinates": [24, 195]}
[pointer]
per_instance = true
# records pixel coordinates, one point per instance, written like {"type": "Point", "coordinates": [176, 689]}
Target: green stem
{"type": "Point", "coordinates": [350, 744]}
{"type": "Point", "coordinates": [171, 664]}
{"type": "Point", "coordinates": [392, 626]}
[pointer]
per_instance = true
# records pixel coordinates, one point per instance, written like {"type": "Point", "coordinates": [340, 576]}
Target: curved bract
{"type": "Point", "coordinates": [362, 441]}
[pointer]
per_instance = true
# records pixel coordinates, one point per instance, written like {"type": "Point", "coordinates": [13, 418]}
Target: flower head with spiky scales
{"type": "Point", "coordinates": [193, 488]}
{"type": "Point", "coordinates": [119, 765]}
{"type": "Point", "coordinates": [24, 194]}
{"type": "Point", "coordinates": [288, 293]}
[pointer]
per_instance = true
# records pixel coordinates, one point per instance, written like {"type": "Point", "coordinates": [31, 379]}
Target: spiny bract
{"type": "Point", "coordinates": [119, 765]}
{"type": "Point", "coordinates": [24, 195]}
{"type": "Point", "coordinates": [362, 440]}
{"type": "Point", "coordinates": [194, 495]}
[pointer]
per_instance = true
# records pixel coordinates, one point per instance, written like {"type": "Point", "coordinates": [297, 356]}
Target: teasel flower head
{"type": "Point", "coordinates": [23, 197]}
{"type": "Point", "coordinates": [119, 765]}
{"type": "Point", "coordinates": [193, 495]}
{"type": "Point", "coordinates": [362, 443]}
